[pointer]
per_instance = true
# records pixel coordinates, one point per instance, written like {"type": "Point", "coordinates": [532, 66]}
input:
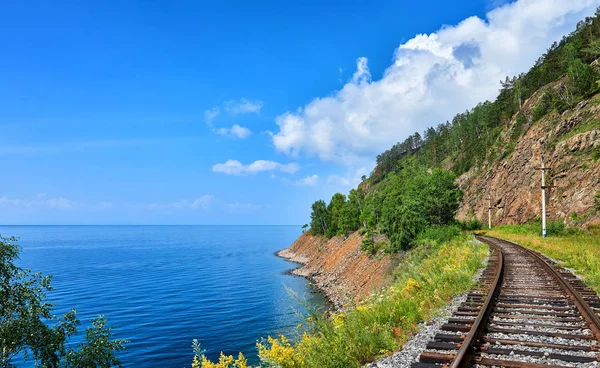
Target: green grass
{"type": "Point", "coordinates": [576, 249]}
{"type": "Point", "coordinates": [424, 281]}
{"type": "Point", "coordinates": [581, 128]}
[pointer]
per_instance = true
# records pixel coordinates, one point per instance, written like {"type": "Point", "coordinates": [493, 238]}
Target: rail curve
{"type": "Point", "coordinates": [525, 312]}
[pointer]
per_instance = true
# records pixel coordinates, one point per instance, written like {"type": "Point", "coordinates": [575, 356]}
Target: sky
{"type": "Point", "coordinates": [237, 112]}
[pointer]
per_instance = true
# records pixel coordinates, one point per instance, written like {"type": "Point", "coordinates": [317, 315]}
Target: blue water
{"type": "Point", "coordinates": [166, 285]}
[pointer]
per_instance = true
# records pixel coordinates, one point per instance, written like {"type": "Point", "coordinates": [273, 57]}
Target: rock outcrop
{"type": "Point", "coordinates": [339, 268]}
{"type": "Point", "coordinates": [570, 143]}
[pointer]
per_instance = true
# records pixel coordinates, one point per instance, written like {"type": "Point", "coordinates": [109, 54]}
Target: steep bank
{"type": "Point", "coordinates": [339, 268]}
{"type": "Point", "coordinates": [570, 143]}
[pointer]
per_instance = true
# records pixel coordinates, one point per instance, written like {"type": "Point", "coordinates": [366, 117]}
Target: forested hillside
{"type": "Point", "coordinates": [414, 187]}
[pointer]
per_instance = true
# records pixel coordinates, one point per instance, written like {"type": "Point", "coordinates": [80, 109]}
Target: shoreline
{"type": "Point", "coordinates": [338, 268]}
{"type": "Point", "coordinates": [300, 271]}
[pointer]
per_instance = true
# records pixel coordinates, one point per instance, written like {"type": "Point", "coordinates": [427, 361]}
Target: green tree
{"type": "Point", "coordinates": [99, 349]}
{"type": "Point", "coordinates": [28, 327]}
{"type": "Point", "coordinates": [349, 219]}
{"type": "Point", "coordinates": [335, 210]}
{"type": "Point", "coordinates": [583, 77]}
{"type": "Point", "coordinates": [319, 218]}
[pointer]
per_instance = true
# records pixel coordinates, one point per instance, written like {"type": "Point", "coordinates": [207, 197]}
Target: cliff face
{"type": "Point", "coordinates": [338, 267]}
{"type": "Point", "coordinates": [570, 143]}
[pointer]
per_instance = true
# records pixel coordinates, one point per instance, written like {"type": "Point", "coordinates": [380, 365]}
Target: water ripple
{"type": "Point", "coordinates": [166, 285]}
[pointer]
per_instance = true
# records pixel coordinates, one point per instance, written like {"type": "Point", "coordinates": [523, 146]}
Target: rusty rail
{"type": "Point", "coordinates": [465, 353]}
{"type": "Point", "coordinates": [520, 293]}
{"type": "Point", "coordinates": [586, 311]}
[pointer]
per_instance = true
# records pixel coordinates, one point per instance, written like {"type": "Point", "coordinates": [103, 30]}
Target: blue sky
{"type": "Point", "coordinates": [194, 112]}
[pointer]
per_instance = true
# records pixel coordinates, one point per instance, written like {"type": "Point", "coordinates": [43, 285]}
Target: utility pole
{"type": "Point", "coordinates": [543, 199]}
{"type": "Point", "coordinates": [489, 212]}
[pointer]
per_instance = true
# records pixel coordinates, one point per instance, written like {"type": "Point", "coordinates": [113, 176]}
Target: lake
{"type": "Point", "coordinates": [166, 285]}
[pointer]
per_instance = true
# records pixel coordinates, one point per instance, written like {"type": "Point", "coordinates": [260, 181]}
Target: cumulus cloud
{"type": "Point", "coordinates": [235, 131]}
{"type": "Point", "coordinates": [309, 181]}
{"type": "Point", "coordinates": [234, 167]}
{"type": "Point", "coordinates": [432, 78]}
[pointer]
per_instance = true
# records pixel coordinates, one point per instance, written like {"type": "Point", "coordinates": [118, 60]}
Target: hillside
{"type": "Point", "coordinates": [339, 268]}
{"type": "Point", "coordinates": [494, 150]}
{"type": "Point", "coordinates": [570, 143]}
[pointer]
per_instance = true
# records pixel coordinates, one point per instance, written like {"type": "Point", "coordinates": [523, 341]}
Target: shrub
{"type": "Point", "coordinates": [425, 280]}
{"type": "Point", "coordinates": [583, 77]}
{"type": "Point", "coordinates": [470, 224]}
{"type": "Point", "coordinates": [438, 234]}
{"type": "Point", "coordinates": [555, 228]}
{"type": "Point", "coordinates": [543, 107]}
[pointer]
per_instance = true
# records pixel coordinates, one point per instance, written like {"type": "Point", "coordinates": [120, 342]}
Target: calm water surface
{"type": "Point", "coordinates": [166, 285]}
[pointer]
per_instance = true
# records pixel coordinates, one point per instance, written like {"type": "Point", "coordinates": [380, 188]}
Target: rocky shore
{"type": "Point", "coordinates": [339, 268]}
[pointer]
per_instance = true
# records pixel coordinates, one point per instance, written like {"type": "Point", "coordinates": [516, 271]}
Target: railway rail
{"type": "Point", "coordinates": [525, 312]}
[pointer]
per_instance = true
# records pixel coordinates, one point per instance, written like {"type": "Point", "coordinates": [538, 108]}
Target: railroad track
{"type": "Point", "coordinates": [525, 312]}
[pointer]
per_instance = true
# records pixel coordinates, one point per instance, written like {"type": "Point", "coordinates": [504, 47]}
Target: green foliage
{"type": "Point", "coordinates": [341, 216]}
{"type": "Point", "coordinates": [553, 228]}
{"type": "Point", "coordinates": [405, 205]}
{"type": "Point", "coordinates": [405, 200]}
{"type": "Point", "coordinates": [335, 212]}
{"type": "Point", "coordinates": [414, 200]}
{"type": "Point", "coordinates": [470, 139]}
{"type": "Point", "coordinates": [574, 249]}
{"type": "Point", "coordinates": [28, 327]}
{"type": "Point", "coordinates": [597, 201]}
{"type": "Point", "coordinates": [543, 107]}
{"type": "Point", "coordinates": [583, 77]}
{"type": "Point", "coordinates": [350, 215]}
{"type": "Point", "coordinates": [470, 224]}
{"type": "Point", "coordinates": [426, 278]}
{"type": "Point", "coordinates": [582, 128]}
{"type": "Point", "coordinates": [320, 218]}
{"type": "Point", "coordinates": [438, 234]}
{"type": "Point", "coordinates": [99, 348]}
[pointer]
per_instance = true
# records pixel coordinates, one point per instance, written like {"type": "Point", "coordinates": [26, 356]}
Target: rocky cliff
{"type": "Point", "coordinates": [339, 268]}
{"type": "Point", "coordinates": [570, 143]}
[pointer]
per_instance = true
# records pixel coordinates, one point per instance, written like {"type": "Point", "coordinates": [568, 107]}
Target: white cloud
{"type": "Point", "coordinates": [309, 181]}
{"type": "Point", "coordinates": [5, 201]}
{"type": "Point", "coordinates": [352, 178]}
{"type": "Point", "coordinates": [243, 106]}
{"type": "Point", "coordinates": [211, 114]}
{"type": "Point", "coordinates": [432, 78]}
{"type": "Point", "coordinates": [234, 167]}
{"type": "Point", "coordinates": [235, 131]}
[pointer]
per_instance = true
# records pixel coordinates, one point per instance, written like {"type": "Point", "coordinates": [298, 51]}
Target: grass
{"type": "Point", "coordinates": [576, 249]}
{"type": "Point", "coordinates": [424, 281]}
{"type": "Point", "coordinates": [581, 128]}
